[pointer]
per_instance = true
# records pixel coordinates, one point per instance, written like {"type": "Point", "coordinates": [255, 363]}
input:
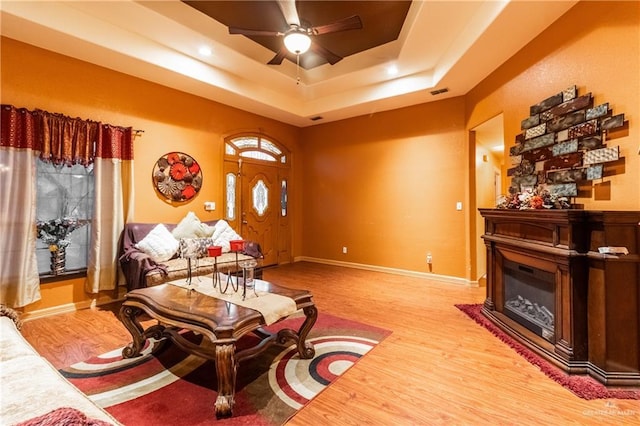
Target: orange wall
{"type": "Point", "coordinates": [172, 120]}
{"type": "Point", "coordinates": [386, 186]}
{"type": "Point", "coordinates": [596, 46]}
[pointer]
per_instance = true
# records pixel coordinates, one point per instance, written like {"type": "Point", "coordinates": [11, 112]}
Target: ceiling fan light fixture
{"type": "Point", "coordinates": [297, 42]}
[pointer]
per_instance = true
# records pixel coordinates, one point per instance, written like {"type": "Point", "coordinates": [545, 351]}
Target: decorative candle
{"type": "Point", "coordinates": [214, 251]}
{"type": "Point", "coordinates": [236, 245]}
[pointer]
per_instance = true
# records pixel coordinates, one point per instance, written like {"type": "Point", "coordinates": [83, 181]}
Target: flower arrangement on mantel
{"type": "Point", "coordinates": [531, 199]}
{"type": "Point", "coordinates": [54, 232]}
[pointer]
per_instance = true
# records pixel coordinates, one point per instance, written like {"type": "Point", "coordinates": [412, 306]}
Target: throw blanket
{"type": "Point", "coordinates": [273, 307]}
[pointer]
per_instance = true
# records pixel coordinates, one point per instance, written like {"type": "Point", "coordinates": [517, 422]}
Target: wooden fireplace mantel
{"type": "Point", "coordinates": [597, 296]}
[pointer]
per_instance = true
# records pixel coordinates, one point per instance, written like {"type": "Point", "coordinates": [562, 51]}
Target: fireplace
{"type": "Point", "coordinates": [550, 288]}
{"type": "Point", "coordinates": [529, 295]}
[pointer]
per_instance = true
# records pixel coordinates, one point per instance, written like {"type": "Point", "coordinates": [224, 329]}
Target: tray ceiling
{"type": "Point", "coordinates": [431, 45]}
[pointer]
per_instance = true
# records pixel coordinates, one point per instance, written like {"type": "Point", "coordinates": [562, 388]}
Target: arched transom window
{"type": "Point", "coordinates": [256, 147]}
{"type": "Point", "coordinates": [265, 153]}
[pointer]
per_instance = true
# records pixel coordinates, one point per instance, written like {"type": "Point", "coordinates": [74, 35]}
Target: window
{"type": "Point", "coordinates": [64, 208]}
{"type": "Point", "coordinates": [255, 147]}
{"type": "Point", "coordinates": [231, 197]}
{"type": "Point", "coordinates": [283, 198]}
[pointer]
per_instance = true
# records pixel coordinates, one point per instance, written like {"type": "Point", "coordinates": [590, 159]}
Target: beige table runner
{"type": "Point", "coordinates": [272, 306]}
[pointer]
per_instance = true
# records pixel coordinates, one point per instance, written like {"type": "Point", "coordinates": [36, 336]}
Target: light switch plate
{"type": "Point", "coordinates": [459, 205]}
{"type": "Point", "coordinates": [209, 205]}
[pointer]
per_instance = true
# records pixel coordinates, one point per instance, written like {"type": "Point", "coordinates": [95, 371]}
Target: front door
{"type": "Point", "coordinates": [256, 175]}
{"type": "Point", "coordinates": [259, 208]}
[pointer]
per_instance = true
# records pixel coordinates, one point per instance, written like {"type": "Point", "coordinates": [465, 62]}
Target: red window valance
{"type": "Point", "coordinates": [61, 139]}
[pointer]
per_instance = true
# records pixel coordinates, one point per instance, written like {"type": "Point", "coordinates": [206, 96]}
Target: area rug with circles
{"type": "Point", "coordinates": [172, 387]}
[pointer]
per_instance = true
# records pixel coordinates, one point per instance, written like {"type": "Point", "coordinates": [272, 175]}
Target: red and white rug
{"type": "Point", "coordinates": [174, 388]}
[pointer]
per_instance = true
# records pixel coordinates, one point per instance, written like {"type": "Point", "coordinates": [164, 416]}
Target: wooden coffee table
{"type": "Point", "coordinates": [220, 323]}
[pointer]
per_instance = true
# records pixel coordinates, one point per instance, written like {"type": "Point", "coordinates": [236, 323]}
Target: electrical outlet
{"type": "Point", "coordinates": [209, 205]}
{"type": "Point", "coordinates": [344, 250]}
{"type": "Point", "coordinates": [429, 258]}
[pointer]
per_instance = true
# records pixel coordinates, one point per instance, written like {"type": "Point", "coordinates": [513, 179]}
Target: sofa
{"type": "Point", "coordinates": [153, 253]}
{"type": "Point", "coordinates": [32, 392]}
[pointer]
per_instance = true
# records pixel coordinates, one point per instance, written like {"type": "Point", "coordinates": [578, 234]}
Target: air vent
{"type": "Point", "coordinates": [439, 91]}
{"type": "Point", "coordinates": [316, 118]}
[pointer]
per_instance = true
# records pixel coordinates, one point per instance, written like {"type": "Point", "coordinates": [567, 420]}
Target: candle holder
{"type": "Point", "coordinates": [196, 263]}
{"type": "Point", "coordinates": [188, 280]}
{"type": "Point", "coordinates": [235, 246]}
{"type": "Point", "coordinates": [189, 273]}
{"type": "Point", "coordinates": [248, 273]}
{"type": "Point", "coordinates": [189, 251]}
{"type": "Point", "coordinates": [215, 251]}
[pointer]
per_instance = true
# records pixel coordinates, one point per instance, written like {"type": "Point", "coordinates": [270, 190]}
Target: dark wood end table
{"type": "Point", "coordinates": [221, 324]}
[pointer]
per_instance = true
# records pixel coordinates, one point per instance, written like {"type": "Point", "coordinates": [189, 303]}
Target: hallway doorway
{"type": "Point", "coordinates": [489, 163]}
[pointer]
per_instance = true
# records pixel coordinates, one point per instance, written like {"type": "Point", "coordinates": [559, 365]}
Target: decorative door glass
{"type": "Point", "coordinates": [231, 196]}
{"type": "Point", "coordinates": [283, 198]}
{"type": "Point", "coordinates": [260, 195]}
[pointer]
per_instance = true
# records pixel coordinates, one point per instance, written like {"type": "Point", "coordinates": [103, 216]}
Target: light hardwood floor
{"type": "Point", "coordinates": [438, 367]}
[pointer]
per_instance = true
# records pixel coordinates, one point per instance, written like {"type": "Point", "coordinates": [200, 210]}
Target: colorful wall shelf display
{"type": "Point", "coordinates": [177, 176]}
{"type": "Point", "coordinates": [562, 145]}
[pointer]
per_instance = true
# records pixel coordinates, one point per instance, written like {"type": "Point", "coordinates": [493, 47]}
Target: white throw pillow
{"type": "Point", "coordinates": [190, 227]}
{"type": "Point", "coordinates": [223, 234]}
{"type": "Point", "coordinates": [207, 230]}
{"type": "Point", "coordinates": [159, 244]}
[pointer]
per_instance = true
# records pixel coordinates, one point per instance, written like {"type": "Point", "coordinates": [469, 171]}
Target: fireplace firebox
{"type": "Point", "coordinates": [550, 288]}
{"type": "Point", "coordinates": [529, 295]}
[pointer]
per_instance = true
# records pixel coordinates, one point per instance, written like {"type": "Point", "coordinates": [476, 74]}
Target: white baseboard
{"type": "Point", "coordinates": [72, 307]}
{"type": "Point", "coordinates": [434, 277]}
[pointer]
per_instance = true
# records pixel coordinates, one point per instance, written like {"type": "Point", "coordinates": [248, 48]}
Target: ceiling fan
{"type": "Point", "coordinates": [299, 37]}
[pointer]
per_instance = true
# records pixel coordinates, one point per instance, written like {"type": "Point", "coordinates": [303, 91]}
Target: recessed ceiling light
{"type": "Point", "coordinates": [392, 70]}
{"type": "Point", "coordinates": [204, 51]}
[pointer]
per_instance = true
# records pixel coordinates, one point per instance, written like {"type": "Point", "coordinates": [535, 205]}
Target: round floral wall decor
{"type": "Point", "coordinates": [177, 176]}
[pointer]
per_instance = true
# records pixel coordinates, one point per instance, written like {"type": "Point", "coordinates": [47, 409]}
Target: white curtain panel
{"type": "Point", "coordinates": [19, 280]}
{"type": "Point", "coordinates": [111, 149]}
{"type": "Point", "coordinates": [113, 206]}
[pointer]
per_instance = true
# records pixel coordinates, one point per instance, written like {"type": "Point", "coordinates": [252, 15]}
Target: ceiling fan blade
{"type": "Point", "coordinates": [248, 32]}
{"type": "Point", "coordinates": [277, 60]}
{"type": "Point", "coordinates": [289, 11]}
{"type": "Point", "coordinates": [331, 57]}
{"type": "Point", "coordinates": [351, 23]}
